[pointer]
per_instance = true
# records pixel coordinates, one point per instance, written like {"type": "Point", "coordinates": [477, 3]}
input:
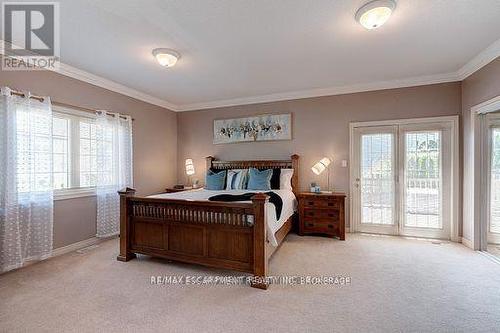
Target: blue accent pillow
{"type": "Point", "coordinates": [260, 180]}
{"type": "Point", "coordinates": [215, 181]}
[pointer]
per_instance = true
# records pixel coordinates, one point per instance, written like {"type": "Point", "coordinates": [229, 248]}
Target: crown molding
{"type": "Point", "coordinates": [99, 81]}
{"type": "Point", "coordinates": [339, 90]}
{"type": "Point", "coordinates": [479, 61]}
{"type": "Point", "coordinates": [476, 63]}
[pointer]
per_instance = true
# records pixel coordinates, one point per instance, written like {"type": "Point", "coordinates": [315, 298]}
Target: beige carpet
{"type": "Point", "coordinates": [397, 285]}
{"type": "Point", "coordinates": [494, 249]}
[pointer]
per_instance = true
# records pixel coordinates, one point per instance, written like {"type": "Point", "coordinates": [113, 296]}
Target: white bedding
{"type": "Point", "coordinates": [273, 224]}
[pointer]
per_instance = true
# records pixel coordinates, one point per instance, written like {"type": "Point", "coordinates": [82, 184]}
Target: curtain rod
{"type": "Point", "coordinates": [80, 108]}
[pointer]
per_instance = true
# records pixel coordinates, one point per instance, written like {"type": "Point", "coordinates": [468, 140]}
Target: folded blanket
{"type": "Point", "coordinates": [273, 198]}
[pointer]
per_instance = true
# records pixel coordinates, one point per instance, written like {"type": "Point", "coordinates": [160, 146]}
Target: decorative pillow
{"type": "Point", "coordinates": [275, 179]}
{"type": "Point", "coordinates": [259, 180]}
{"type": "Point", "coordinates": [236, 179]}
{"type": "Point", "coordinates": [215, 181]}
{"type": "Point", "coordinates": [286, 179]}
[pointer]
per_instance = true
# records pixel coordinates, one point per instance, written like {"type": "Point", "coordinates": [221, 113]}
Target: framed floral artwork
{"type": "Point", "coordinates": [269, 127]}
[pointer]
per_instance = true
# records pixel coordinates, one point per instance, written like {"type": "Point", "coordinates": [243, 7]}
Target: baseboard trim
{"type": "Point", "coordinates": [467, 243]}
{"type": "Point", "coordinates": [74, 247]}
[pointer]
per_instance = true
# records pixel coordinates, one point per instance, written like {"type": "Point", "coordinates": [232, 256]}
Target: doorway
{"type": "Point", "coordinates": [491, 126]}
{"type": "Point", "coordinates": [402, 177]}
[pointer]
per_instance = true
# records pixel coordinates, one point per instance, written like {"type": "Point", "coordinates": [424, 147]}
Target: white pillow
{"type": "Point", "coordinates": [286, 179]}
{"type": "Point", "coordinates": [236, 179]}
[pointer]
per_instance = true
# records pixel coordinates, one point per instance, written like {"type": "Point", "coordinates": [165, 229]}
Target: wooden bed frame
{"type": "Point", "coordinates": [214, 234]}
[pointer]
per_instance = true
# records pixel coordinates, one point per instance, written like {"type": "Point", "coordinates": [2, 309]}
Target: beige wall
{"type": "Point", "coordinates": [163, 139]}
{"type": "Point", "coordinates": [482, 85]}
{"type": "Point", "coordinates": [155, 143]}
{"type": "Point", "coordinates": [477, 88]}
{"type": "Point", "coordinates": [320, 127]}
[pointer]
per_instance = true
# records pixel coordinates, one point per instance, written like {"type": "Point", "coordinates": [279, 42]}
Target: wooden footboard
{"type": "Point", "coordinates": [228, 235]}
{"type": "Point", "coordinates": [215, 234]}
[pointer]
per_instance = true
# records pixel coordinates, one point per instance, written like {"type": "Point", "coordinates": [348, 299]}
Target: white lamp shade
{"type": "Point", "coordinates": [321, 166]}
{"type": "Point", "coordinates": [325, 161]}
{"type": "Point", "coordinates": [189, 167]}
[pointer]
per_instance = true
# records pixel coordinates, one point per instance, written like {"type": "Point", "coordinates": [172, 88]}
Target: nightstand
{"type": "Point", "coordinates": [173, 190]}
{"type": "Point", "coordinates": [322, 213]}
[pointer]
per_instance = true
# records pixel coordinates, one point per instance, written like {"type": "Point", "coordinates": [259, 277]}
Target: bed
{"type": "Point", "coordinates": [186, 227]}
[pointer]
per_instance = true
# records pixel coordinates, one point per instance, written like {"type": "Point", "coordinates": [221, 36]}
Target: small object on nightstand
{"type": "Point", "coordinates": [322, 214]}
{"type": "Point", "coordinates": [177, 188]}
{"type": "Point", "coordinates": [315, 188]}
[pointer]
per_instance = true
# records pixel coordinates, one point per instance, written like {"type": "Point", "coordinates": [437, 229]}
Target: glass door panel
{"type": "Point", "coordinates": [426, 170]}
{"type": "Point", "coordinates": [375, 185]}
{"type": "Point", "coordinates": [377, 179]}
{"type": "Point", "coordinates": [494, 183]}
{"type": "Point", "coordinates": [422, 181]}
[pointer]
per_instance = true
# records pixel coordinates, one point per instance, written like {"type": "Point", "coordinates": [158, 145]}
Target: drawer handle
{"type": "Point", "coordinates": [311, 203]}
{"type": "Point", "coordinates": [310, 224]}
{"type": "Point", "coordinates": [330, 226]}
{"type": "Point", "coordinates": [330, 215]}
{"type": "Point", "coordinates": [310, 213]}
{"type": "Point", "coordinates": [330, 204]}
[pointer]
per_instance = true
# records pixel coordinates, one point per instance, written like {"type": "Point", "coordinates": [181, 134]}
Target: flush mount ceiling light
{"type": "Point", "coordinates": [375, 13]}
{"type": "Point", "coordinates": [166, 57]}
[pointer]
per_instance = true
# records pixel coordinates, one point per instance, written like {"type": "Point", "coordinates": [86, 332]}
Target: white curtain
{"type": "Point", "coordinates": [26, 195]}
{"type": "Point", "coordinates": [114, 168]}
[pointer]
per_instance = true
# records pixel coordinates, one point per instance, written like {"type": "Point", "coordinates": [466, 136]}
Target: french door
{"type": "Point", "coordinates": [493, 177]}
{"type": "Point", "coordinates": [402, 179]}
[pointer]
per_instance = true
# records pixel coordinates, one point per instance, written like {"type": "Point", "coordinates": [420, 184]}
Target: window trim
{"type": "Point", "coordinates": [72, 112]}
{"type": "Point", "coordinates": [72, 193]}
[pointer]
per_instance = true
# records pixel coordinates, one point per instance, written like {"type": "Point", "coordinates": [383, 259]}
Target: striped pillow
{"type": "Point", "coordinates": [237, 179]}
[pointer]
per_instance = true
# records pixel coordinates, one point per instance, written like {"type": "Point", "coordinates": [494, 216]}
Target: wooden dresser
{"type": "Point", "coordinates": [322, 214]}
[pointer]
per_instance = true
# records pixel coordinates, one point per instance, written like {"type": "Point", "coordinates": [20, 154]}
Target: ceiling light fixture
{"type": "Point", "coordinates": [375, 13]}
{"type": "Point", "coordinates": [166, 57]}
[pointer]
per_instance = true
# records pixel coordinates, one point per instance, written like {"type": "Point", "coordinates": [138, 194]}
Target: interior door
{"type": "Point", "coordinates": [375, 179]}
{"type": "Point", "coordinates": [425, 171]}
{"type": "Point", "coordinates": [493, 181]}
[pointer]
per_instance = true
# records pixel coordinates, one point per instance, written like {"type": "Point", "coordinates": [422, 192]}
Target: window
{"type": "Point", "coordinates": [33, 148]}
{"type": "Point", "coordinates": [88, 155]}
{"type": "Point", "coordinates": [74, 158]}
{"type": "Point", "coordinates": [60, 151]}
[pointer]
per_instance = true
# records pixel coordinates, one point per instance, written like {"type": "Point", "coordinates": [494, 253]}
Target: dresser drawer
{"type": "Point", "coordinates": [328, 214]}
{"type": "Point", "coordinates": [313, 202]}
{"type": "Point", "coordinates": [320, 225]}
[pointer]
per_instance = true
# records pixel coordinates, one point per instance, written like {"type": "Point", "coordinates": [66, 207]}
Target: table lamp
{"type": "Point", "coordinates": [189, 168]}
{"type": "Point", "coordinates": [322, 165]}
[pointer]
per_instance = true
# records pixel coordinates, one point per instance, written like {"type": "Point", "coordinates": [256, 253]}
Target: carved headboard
{"type": "Point", "coordinates": [293, 163]}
